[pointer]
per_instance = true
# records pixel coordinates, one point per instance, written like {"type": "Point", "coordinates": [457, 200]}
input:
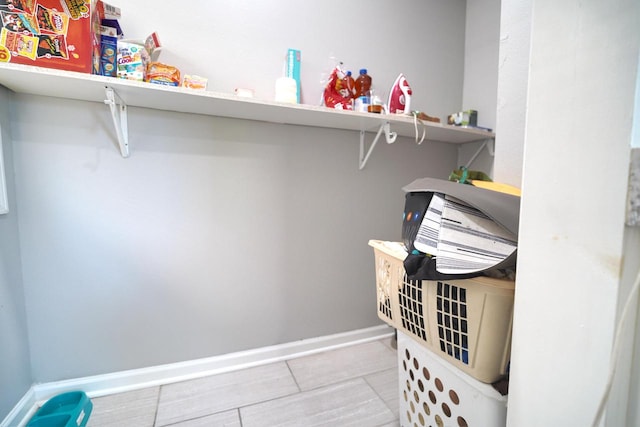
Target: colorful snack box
{"type": "Point", "coordinates": [152, 44]}
{"type": "Point", "coordinates": [61, 34]}
{"type": "Point", "coordinates": [108, 51]}
{"type": "Point", "coordinates": [195, 82]}
{"type": "Point", "coordinates": [132, 60]}
{"type": "Point", "coordinates": [293, 70]}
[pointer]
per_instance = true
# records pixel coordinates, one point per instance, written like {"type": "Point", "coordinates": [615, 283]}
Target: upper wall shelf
{"type": "Point", "coordinates": [71, 85]}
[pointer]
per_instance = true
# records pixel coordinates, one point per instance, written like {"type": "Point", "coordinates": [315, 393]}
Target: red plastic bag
{"type": "Point", "coordinates": [332, 97]}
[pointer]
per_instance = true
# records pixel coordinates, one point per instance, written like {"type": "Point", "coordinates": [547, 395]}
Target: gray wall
{"type": "Point", "coordinates": [15, 366]}
{"type": "Point", "coordinates": [482, 31]}
{"type": "Point", "coordinates": [220, 235]}
{"type": "Point", "coordinates": [513, 79]}
{"type": "Point", "coordinates": [482, 35]}
{"type": "Point", "coordinates": [244, 43]}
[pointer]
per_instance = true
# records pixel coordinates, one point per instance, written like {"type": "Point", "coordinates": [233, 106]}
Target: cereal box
{"type": "Point", "coordinates": [108, 50]}
{"type": "Point", "coordinates": [62, 34]}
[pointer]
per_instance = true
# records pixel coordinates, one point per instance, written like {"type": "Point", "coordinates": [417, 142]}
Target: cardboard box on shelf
{"type": "Point", "coordinates": [132, 59]}
{"type": "Point", "coordinates": [61, 34]}
{"type": "Point", "coordinates": [293, 70]}
{"type": "Point", "coordinates": [108, 51]}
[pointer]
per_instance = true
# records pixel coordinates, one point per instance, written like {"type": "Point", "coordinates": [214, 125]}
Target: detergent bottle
{"type": "Point", "coordinates": [363, 91]}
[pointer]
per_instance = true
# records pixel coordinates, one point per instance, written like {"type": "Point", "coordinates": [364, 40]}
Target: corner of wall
{"type": "Point", "coordinates": [15, 370]}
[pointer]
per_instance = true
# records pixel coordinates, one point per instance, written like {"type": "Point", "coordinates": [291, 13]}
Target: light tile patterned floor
{"type": "Point", "coordinates": [350, 386]}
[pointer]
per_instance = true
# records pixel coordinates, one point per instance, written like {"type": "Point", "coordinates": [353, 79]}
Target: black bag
{"type": "Point", "coordinates": [419, 266]}
{"type": "Point", "coordinates": [415, 206]}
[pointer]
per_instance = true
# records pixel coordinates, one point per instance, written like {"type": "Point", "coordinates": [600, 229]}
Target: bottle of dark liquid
{"type": "Point", "coordinates": [348, 87]}
{"type": "Point", "coordinates": [362, 97]}
{"type": "Point", "coordinates": [363, 84]}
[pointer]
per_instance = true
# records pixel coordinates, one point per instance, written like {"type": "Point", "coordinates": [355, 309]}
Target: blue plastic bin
{"type": "Point", "coordinates": [70, 409]}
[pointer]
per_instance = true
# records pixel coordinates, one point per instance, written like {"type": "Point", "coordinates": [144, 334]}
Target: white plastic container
{"type": "Point", "coordinates": [435, 393]}
{"type": "Point", "coordinates": [286, 90]}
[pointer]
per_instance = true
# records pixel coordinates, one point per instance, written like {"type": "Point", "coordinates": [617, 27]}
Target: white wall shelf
{"type": "Point", "coordinates": [85, 87]}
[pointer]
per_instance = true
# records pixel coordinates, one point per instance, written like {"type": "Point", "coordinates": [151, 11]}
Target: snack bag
{"type": "Point", "coordinates": [332, 97]}
{"type": "Point", "coordinates": [159, 73]}
{"type": "Point", "coordinates": [51, 21]}
{"type": "Point", "coordinates": [19, 6]}
{"type": "Point", "coordinates": [50, 46]}
{"type": "Point", "coordinates": [19, 23]}
{"type": "Point", "coordinates": [19, 44]}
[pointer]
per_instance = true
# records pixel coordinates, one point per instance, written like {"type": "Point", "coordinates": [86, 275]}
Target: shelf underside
{"type": "Point", "coordinates": [86, 87]}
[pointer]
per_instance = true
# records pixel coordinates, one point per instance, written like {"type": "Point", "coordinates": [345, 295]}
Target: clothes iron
{"type": "Point", "coordinates": [400, 97]}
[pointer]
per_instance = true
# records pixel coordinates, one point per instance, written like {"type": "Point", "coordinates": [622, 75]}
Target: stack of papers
{"type": "Point", "coordinates": [461, 238]}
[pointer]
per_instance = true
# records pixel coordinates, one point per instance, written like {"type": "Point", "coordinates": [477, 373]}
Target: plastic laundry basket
{"type": "Point", "coordinates": [467, 322]}
{"type": "Point", "coordinates": [388, 278]}
{"type": "Point", "coordinates": [435, 393]}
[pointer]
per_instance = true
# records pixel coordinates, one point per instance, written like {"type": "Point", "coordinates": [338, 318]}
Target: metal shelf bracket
{"type": "Point", "coordinates": [119, 115]}
{"type": "Point", "coordinates": [389, 136]}
{"type": "Point", "coordinates": [489, 143]}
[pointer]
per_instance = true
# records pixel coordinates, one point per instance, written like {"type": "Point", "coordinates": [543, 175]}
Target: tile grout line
{"type": "Point", "coordinates": [343, 381]}
{"type": "Point", "coordinates": [155, 415]}
{"type": "Point", "coordinates": [295, 380]}
{"type": "Point", "coordinates": [293, 377]}
{"type": "Point", "coordinates": [299, 390]}
{"type": "Point", "coordinates": [375, 391]}
{"type": "Point", "coordinates": [204, 416]}
{"type": "Point", "coordinates": [237, 409]}
{"type": "Point", "coordinates": [393, 348]}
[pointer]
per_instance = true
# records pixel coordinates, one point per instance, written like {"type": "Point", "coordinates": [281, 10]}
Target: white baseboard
{"type": "Point", "coordinates": [135, 379]}
{"type": "Point", "coordinates": [22, 412]}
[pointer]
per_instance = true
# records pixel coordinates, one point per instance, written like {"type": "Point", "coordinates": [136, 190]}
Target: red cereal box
{"type": "Point", "coordinates": [62, 34]}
